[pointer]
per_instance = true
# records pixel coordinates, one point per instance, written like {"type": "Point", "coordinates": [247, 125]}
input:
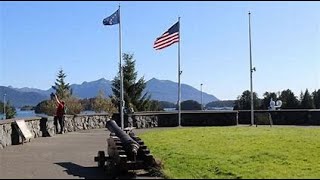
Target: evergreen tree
{"type": "Point", "coordinates": [289, 100]}
{"type": "Point", "coordinates": [64, 93]}
{"type": "Point", "coordinates": [132, 89]}
{"type": "Point", "coordinates": [62, 89]}
{"type": "Point", "coordinates": [10, 110]}
{"type": "Point", "coordinates": [243, 102]}
{"type": "Point", "coordinates": [307, 101]}
{"type": "Point", "coordinates": [316, 98]}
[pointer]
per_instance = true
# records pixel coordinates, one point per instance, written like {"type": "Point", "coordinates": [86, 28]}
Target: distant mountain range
{"type": "Point", "coordinates": [165, 90]}
{"type": "Point", "coordinates": [162, 90]}
{"type": "Point", "coordinates": [20, 98]}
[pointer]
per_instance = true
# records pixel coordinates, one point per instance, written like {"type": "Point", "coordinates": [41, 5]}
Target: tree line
{"type": "Point", "coordinates": [306, 100]}
{"type": "Point", "coordinates": [10, 110]}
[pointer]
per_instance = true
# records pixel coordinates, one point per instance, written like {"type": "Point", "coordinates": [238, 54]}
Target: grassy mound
{"type": "Point", "coordinates": [237, 152]}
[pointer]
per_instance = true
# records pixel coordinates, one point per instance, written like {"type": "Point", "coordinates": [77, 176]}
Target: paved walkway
{"type": "Point", "coordinates": [64, 156]}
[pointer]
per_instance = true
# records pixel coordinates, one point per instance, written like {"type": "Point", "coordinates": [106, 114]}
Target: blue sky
{"type": "Point", "coordinates": [39, 38]}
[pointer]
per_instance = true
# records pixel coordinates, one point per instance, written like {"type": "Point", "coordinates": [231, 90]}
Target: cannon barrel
{"type": "Point", "coordinates": [129, 143]}
{"type": "Point", "coordinates": [125, 152]}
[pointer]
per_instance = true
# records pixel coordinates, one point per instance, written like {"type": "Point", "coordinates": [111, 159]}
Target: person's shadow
{"type": "Point", "coordinates": [91, 172]}
{"type": "Point", "coordinates": [84, 172]}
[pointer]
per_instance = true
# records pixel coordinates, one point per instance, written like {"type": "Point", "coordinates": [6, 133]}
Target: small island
{"type": "Point", "coordinates": [27, 108]}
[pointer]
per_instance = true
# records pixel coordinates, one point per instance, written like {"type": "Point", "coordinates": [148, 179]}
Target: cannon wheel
{"type": "Point", "coordinates": [101, 158]}
{"type": "Point", "coordinates": [110, 167]}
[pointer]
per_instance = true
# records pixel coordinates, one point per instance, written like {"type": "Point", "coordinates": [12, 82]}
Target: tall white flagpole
{"type": "Point", "coordinates": [251, 70]}
{"type": "Point", "coordinates": [4, 107]}
{"type": "Point", "coordinates": [179, 74]}
{"type": "Point", "coordinates": [121, 75]}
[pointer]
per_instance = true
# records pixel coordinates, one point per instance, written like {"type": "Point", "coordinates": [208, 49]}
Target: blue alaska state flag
{"type": "Point", "coordinates": [113, 19]}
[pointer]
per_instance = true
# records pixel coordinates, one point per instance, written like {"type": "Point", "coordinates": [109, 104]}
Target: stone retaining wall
{"type": "Point", "coordinates": [220, 118]}
{"type": "Point", "coordinates": [84, 122]}
{"type": "Point", "coordinates": [44, 127]}
{"type": "Point", "coordinates": [170, 119]}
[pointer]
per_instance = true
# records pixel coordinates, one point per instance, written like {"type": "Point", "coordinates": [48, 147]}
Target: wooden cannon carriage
{"type": "Point", "coordinates": [126, 151]}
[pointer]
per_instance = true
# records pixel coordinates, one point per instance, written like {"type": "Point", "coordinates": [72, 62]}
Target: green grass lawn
{"type": "Point", "coordinates": [237, 152]}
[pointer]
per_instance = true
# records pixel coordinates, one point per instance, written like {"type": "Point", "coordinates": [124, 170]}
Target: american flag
{"type": "Point", "coordinates": [168, 38]}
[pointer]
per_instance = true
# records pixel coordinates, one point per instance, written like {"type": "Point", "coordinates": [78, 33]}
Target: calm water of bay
{"type": "Point", "coordinates": [25, 114]}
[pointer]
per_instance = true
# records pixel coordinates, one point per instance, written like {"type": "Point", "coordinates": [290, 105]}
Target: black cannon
{"type": "Point", "coordinates": [126, 151]}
